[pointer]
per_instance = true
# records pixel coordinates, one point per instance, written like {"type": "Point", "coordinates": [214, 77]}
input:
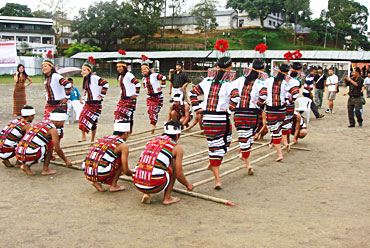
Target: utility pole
{"type": "Point", "coordinates": [164, 19]}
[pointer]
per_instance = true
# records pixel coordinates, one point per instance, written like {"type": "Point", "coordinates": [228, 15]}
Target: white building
{"type": "Point", "coordinates": [35, 35]}
{"type": "Point", "coordinates": [273, 20]}
{"type": "Point", "coordinates": [226, 19]}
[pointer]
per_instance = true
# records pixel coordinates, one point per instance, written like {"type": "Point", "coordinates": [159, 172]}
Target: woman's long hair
{"type": "Point", "coordinates": [279, 78]}
{"type": "Point", "coordinates": [88, 78]}
{"type": "Point", "coordinates": [251, 77]}
{"type": "Point", "coordinates": [219, 76]}
{"type": "Point", "coordinates": [24, 70]}
{"type": "Point", "coordinates": [293, 74]}
{"type": "Point", "coordinates": [123, 73]}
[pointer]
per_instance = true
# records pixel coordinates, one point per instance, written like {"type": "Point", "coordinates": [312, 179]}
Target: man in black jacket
{"type": "Point", "coordinates": [355, 84]}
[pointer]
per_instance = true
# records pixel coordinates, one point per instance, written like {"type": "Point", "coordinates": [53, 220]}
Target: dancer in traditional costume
{"type": "Point", "coordinates": [95, 90]}
{"type": "Point", "coordinates": [37, 144]}
{"type": "Point", "coordinates": [179, 110]}
{"type": "Point", "coordinates": [153, 83]}
{"type": "Point", "coordinates": [13, 132]}
{"type": "Point", "coordinates": [277, 89]}
{"type": "Point", "coordinates": [294, 86]}
{"type": "Point", "coordinates": [160, 165]}
{"type": "Point", "coordinates": [58, 89]}
{"type": "Point", "coordinates": [261, 130]}
{"type": "Point", "coordinates": [108, 158]}
{"type": "Point", "coordinates": [130, 89]}
{"type": "Point", "coordinates": [253, 95]}
{"type": "Point", "coordinates": [19, 96]}
{"type": "Point", "coordinates": [221, 97]}
{"type": "Point", "coordinates": [299, 127]}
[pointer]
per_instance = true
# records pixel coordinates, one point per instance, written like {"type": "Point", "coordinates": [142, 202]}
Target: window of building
{"type": "Point", "coordinates": [65, 41]}
{"type": "Point", "coordinates": [273, 24]}
{"type": "Point", "coordinates": [270, 23]}
{"type": "Point", "coordinates": [241, 23]}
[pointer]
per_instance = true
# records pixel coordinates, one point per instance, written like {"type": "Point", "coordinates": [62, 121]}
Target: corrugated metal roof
{"type": "Point", "coordinates": [236, 54]}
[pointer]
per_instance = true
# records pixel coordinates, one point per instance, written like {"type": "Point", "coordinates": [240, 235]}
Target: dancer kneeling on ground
{"type": "Point", "coordinates": [160, 165]}
{"type": "Point", "coordinates": [179, 110]}
{"type": "Point", "coordinates": [109, 158]}
{"type": "Point", "coordinates": [37, 144]}
{"type": "Point", "coordinates": [13, 132]}
{"type": "Point", "coordinates": [299, 128]}
{"type": "Point", "coordinates": [95, 90]}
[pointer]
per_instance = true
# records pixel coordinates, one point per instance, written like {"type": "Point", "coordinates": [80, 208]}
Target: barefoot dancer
{"type": "Point", "coordinates": [95, 90]}
{"type": "Point", "coordinates": [153, 83]}
{"type": "Point", "coordinates": [160, 165]}
{"type": "Point", "coordinates": [37, 144]}
{"type": "Point", "coordinates": [58, 90]}
{"type": "Point", "coordinates": [130, 89]}
{"type": "Point", "coordinates": [253, 94]}
{"type": "Point", "coordinates": [220, 96]}
{"type": "Point", "coordinates": [294, 85]}
{"type": "Point", "coordinates": [277, 89]}
{"type": "Point", "coordinates": [179, 110]}
{"type": "Point", "coordinates": [13, 132]}
{"type": "Point", "coordinates": [108, 159]}
{"type": "Point", "coordinates": [261, 126]}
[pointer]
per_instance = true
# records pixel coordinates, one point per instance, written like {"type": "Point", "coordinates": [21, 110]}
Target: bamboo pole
{"type": "Point", "coordinates": [236, 168]}
{"type": "Point", "coordinates": [225, 161]}
{"type": "Point", "coordinates": [293, 147]}
{"type": "Point", "coordinates": [191, 193]}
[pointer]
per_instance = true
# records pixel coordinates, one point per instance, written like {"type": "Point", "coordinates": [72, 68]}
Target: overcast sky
{"type": "Point", "coordinates": [74, 6]}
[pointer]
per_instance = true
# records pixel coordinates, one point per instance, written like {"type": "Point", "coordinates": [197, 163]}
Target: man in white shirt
{"type": "Point", "coordinates": [332, 83]}
{"type": "Point", "coordinates": [367, 84]}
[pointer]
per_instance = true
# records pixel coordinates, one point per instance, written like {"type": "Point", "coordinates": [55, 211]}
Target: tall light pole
{"type": "Point", "coordinates": [326, 33]}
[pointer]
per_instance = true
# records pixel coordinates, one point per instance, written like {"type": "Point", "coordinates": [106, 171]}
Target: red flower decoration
{"type": "Point", "coordinates": [288, 56]}
{"type": "Point", "coordinates": [143, 57]}
{"type": "Point", "coordinates": [297, 54]}
{"type": "Point", "coordinates": [91, 60]}
{"type": "Point", "coordinates": [221, 45]}
{"type": "Point", "coordinates": [261, 48]}
{"type": "Point", "coordinates": [49, 54]}
{"type": "Point", "coordinates": [123, 52]}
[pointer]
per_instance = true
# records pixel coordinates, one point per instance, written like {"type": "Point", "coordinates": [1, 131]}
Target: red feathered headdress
{"type": "Point", "coordinates": [91, 60]}
{"type": "Point", "coordinates": [291, 56]}
{"type": "Point", "coordinates": [144, 58]}
{"type": "Point", "coordinates": [221, 45]}
{"type": "Point", "coordinates": [49, 55]}
{"type": "Point", "coordinates": [122, 52]}
{"type": "Point", "coordinates": [261, 48]}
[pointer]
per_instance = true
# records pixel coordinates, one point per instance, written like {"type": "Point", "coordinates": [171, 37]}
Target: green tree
{"type": "Point", "coordinates": [257, 8]}
{"type": "Point", "coordinates": [105, 23]}
{"type": "Point", "coordinates": [80, 47]}
{"type": "Point", "coordinates": [175, 6]}
{"type": "Point", "coordinates": [15, 9]}
{"type": "Point", "coordinates": [146, 16]}
{"type": "Point", "coordinates": [298, 11]}
{"type": "Point", "coordinates": [204, 13]}
{"type": "Point", "coordinates": [42, 14]}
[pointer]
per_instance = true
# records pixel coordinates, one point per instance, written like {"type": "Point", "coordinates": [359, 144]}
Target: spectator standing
{"type": "Point", "coordinates": [320, 80]}
{"type": "Point", "coordinates": [355, 84]}
{"type": "Point", "coordinates": [367, 84]}
{"type": "Point", "coordinates": [332, 83]}
{"type": "Point", "coordinates": [308, 89]}
{"type": "Point", "coordinates": [179, 80]}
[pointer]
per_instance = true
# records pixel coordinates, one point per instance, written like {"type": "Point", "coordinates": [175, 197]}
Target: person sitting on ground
{"type": "Point", "coordinates": [299, 128]}
{"type": "Point", "coordinates": [179, 111]}
{"type": "Point", "coordinates": [108, 158]}
{"type": "Point", "coordinates": [160, 165]}
{"type": "Point", "coordinates": [13, 132]}
{"type": "Point", "coordinates": [76, 101]}
{"type": "Point", "coordinates": [198, 118]}
{"type": "Point", "coordinates": [37, 144]}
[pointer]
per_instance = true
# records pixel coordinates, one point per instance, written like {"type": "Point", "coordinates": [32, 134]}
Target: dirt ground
{"type": "Point", "coordinates": [317, 198]}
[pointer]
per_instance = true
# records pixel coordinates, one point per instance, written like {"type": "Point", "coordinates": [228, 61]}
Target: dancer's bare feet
{"type": "Point", "coordinates": [287, 147]}
{"type": "Point", "coordinates": [7, 163]}
{"type": "Point", "coordinates": [53, 158]}
{"type": "Point", "coordinates": [208, 167]}
{"type": "Point", "coordinates": [271, 145]}
{"type": "Point", "coordinates": [98, 187]}
{"type": "Point", "coordinates": [218, 186]}
{"type": "Point", "coordinates": [48, 172]}
{"type": "Point", "coordinates": [81, 140]}
{"type": "Point", "coordinates": [27, 170]}
{"type": "Point", "coordinates": [279, 159]}
{"type": "Point", "coordinates": [116, 188]}
{"type": "Point", "coordinates": [171, 200]}
{"type": "Point", "coordinates": [145, 199]}
{"type": "Point", "coordinates": [17, 164]}
{"type": "Point", "coordinates": [250, 171]}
